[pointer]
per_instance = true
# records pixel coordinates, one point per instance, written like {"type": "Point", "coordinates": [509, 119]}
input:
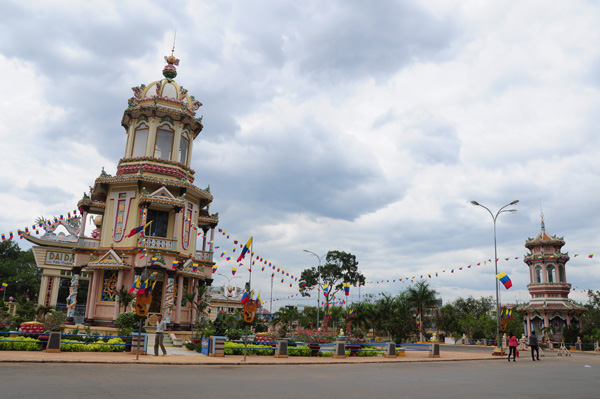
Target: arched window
{"type": "Point", "coordinates": [538, 274]}
{"type": "Point", "coordinates": [184, 145]}
{"type": "Point", "coordinates": [551, 271]}
{"type": "Point", "coordinates": [164, 142]}
{"type": "Point", "coordinates": [140, 138]}
{"type": "Point", "coordinates": [561, 274]}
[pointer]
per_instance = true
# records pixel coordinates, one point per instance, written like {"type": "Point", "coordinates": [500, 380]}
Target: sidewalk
{"type": "Point", "coordinates": [181, 356]}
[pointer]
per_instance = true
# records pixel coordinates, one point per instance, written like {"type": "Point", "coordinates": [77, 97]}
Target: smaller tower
{"type": "Point", "coordinates": [550, 305]}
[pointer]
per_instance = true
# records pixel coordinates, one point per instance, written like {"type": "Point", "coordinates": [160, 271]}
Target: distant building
{"type": "Point", "coordinates": [225, 300]}
{"type": "Point", "coordinates": [550, 304]}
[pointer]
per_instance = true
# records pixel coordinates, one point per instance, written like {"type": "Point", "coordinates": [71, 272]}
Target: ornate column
{"type": "Point", "coordinates": [194, 289]}
{"type": "Point", "coordinates": [176, 224]}
{"type": "Point", "coordinates": [546, 322]}
{"type": "Point", "coordinates": [117, 306]}
{"type": "Point", "coordinates": [94, 287]}
{"type": "Point", "coordinates": [88, 301]}
{"type": "Point", "coordinates": [528, 327]}
{"type": "Point", "coordinates": [177, 323]}
{"type": "Point", "coordinates": [83, 222]}
{"type": "Point", "coordinates": [72, 297]}
{"type": "Point", "coordinates": [168, 298]}
{"type": "Point", "coordinates": [204, 232]}
{"type": "Point", "coordinates": [43, 289]}
{"type": "Point", "coordinates": [212, 238]}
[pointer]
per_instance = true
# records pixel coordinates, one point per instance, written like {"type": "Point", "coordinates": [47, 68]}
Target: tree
{"type": "Point", "coordinates": [124, 297]}
{"type": "Point", "coordinates": [286, 317]}
{"type": "Point", "coordinates": [198, 303]}
{"type": "Point", "coordinates": [421, 297]}
{"type": "Point", "coordinates": [341, 267]}
{"type": "Point", "coordinates": [19, 270]}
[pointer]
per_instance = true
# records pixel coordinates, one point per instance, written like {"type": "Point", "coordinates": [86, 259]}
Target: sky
{"type": "Point", "coordinates": [364, 127]}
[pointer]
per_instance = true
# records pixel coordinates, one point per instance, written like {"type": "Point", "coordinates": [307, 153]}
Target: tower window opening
{"type": "Point", "coordinates": [184, 145]}
{"type": "Point", "coordinates": [139, 141]}
{"type": "Point", "coordinates": [538, 274]}
{"type": "Point", "coordinates": [160, 223]}
{"type": "Point", "coordinates": [551, 273]}
{"type": "Point", "coordinates": [164, 142]}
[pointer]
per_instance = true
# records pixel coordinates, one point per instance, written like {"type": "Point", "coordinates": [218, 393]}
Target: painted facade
{"type": "Point", "coordinates": [550, 305]}
{"type": "Point", "coordinates": [154, 184]}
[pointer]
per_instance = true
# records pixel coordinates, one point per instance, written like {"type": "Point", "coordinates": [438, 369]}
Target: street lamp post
{"type": "Point", "coordinates": [318, 282]}
{"type": "Point", "coordinates": [494, 217]}
{"type": "Point", "coordinates": [229, 289]}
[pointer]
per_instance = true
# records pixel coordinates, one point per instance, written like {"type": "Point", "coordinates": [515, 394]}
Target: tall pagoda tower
{"type": "Point", "coordinates": [153, 183]}
{"type": "Point", "coordinates": [550, 305]}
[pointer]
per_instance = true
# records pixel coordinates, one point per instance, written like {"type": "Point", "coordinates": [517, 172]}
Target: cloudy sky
{"type": "Point", "coordinates": [365, 127]}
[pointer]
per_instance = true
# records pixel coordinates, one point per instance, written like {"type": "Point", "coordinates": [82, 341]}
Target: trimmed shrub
{"type": "Point", "coordinates": [10, 344]}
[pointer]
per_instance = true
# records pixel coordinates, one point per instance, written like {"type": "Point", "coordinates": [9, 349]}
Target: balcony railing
{"type": "Point", "coordinates": [204, 255]}
{"type": "Point", "coordinates": [160, 243]}
{"type": "Point", "coordinates": [88, 242]}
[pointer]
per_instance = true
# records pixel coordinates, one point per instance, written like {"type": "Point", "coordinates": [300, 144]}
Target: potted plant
{"type": "Point", "coordinates": [355, 341]}
{"type": "Point", "coordinates": [314, 339]}
{"type": "Point", "coordinates": [54, 322]}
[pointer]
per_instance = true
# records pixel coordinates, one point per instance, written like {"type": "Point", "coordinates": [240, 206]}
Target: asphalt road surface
{"type": "Point", "coordinates": [572, 377]}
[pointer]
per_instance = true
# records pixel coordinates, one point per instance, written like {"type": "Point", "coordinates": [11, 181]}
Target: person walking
{"type": "Point", "coordinates": [533, 342]}
{"type": "Point", "coordinates": [161, 325]}
{"type": "Point", "coordinates": [512, 346]}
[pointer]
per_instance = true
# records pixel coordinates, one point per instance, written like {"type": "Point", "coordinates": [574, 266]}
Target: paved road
{"type": "Point", "coordinates": [553, 377]}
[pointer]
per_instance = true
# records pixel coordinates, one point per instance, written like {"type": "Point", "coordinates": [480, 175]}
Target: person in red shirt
{"type": "Point", "coordinates": [512, 346]}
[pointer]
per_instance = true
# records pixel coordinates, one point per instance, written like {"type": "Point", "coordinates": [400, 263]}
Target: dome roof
{"type": "Point", "coordinates": [165, 92]}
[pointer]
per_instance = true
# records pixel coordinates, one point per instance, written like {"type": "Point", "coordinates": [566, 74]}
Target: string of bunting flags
{"type": "Point", "coordinates": [263, 262]}
{"type": "Point", "coordinates": [35, 228]}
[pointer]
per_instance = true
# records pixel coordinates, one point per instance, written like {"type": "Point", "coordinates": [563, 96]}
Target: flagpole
{"type": "Point", "coordinates": [249, 293]}
{"type": "Point", "coordinates": [271, 303]}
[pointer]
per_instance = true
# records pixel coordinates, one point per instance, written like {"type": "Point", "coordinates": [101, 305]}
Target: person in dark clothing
{"type": "Point", "coordinates": [512, 346]}
{"type": "Point", "coordinates": [533, 342]}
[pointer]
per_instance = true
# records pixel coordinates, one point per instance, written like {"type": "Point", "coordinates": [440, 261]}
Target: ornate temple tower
{"type": "Point", "coordinates": [550, 305]}
{"type": "Point", "coordinates": [153, 183]}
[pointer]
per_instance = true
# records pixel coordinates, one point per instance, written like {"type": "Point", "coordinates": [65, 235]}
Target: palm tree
{"type": "Point", "coordinates": [197, 303]}
{"type": "Point", "coordinates": [421, 297]}
{"type": "Point", "coordinates": [285, 316]}
{"type": "Point", "coordinates": [125, 298]}
{"type": "Point", "coordinates": [44, 310]}
{"type": "Point", "coordinates": [384, 309]}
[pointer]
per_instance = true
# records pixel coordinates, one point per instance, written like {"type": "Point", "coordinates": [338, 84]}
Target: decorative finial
{"type": "Point", "coordinates": [542, 215]}
{"type": "Point", "coordinates": [169, 71]}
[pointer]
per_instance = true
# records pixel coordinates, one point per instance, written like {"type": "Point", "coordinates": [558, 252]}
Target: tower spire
{"type": "Point", "coordinates": [542, 215]}
{"type": "Point", "coordinates": [169, 71]}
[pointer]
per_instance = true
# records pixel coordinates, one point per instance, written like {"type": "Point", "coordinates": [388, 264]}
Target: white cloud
{"type": "Point", "coordinates": [366, 129]}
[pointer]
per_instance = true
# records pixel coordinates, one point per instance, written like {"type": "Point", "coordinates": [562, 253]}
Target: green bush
{"type": "Point", "coordinates": [189, 346]}
{"type": "Point", "coordinates": [9, 344]}
{"type": "Point", "coordinates": [77, 346]}
{"type": "Point", "coordinates": [127, 320]}
{"type": "Point", "coordinates": [297, 351]}
{"type": "Point", "coordinates": [55, 320]}
{"type": "Point", "coordinates": [232, 348]}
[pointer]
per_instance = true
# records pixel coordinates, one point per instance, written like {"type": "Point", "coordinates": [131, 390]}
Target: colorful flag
{"type": "Point", "coordinates": [4, 285]}
{"type": "Point", "coordinates": [138, 229]}
{"type": "Point", "coordinates": [194, 267]}
{"type": "Point", "coordinates": [142, 289]}
{"type": "Point", "coordinates": [214, 269]}
{"type": "Point", "coordinates": [135, 285]}
{"type": "Point", "coordinates": [175, 264]}
{"type": "Point", "coordinates": [346, 288]}
{"type": "Point", "coordinates": [504, 279]}
{"type": "Point", "coordinates": [245, 298]}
